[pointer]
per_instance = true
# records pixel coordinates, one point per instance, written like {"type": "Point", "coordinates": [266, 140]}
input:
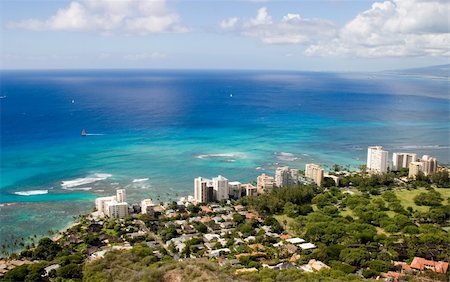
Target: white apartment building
{"type": "Point", "coordinates": [235, 189]}
{"type": "Point", "coordinates": [285, 176]}
{"type": "Point", "coordinates": [117, 210]}
{"type": "Point", "coordinates": [377, 159]}
{"type": "Point", "coordinates": [220, 186]}
{"type": "Point", "coordinates": [203, 190]}
{"type": "Point", "coordinates": [265, 183]}
{"type": "Point", "coordinates": [402, 160]}
{"type": "Point", "coordinates": [100, 203]}
{"type": "Point", "coordinates": [121, 196]}
{"type": "Point", "coordinates": [315, 172]}
{"type": "Point", "coordinates": [146, 204]}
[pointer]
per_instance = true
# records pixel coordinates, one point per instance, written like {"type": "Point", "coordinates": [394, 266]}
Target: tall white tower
{"type": "Point", "coordinates": [377, 159]}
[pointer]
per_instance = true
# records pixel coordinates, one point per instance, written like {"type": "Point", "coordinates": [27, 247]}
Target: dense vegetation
{"type": "Point", "coordinates": [358, 231]}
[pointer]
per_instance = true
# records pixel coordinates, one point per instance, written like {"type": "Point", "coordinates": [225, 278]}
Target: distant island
{"type": "Point", "coordinates": [298, 225]}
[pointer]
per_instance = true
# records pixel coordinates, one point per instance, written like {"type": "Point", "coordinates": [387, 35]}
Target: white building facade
{"type": "Point", "coordinates": [220, 186]}
{"type": "Point", "coordinates": [402, 160]}
{"type": "Point", "coordinates": [377, 159]}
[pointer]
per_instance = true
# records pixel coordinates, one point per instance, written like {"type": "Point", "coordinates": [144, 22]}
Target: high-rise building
{"type": "Point", "coordinates": [220, 186]}
{"type": "Point", "coordinates": [265, 183]}
{"type": "Point", "coordinates": [121, 195]}
{"type": "Point", "coordinates": [234, 189]}
{"type": "Point", "coordinates": [203, 190]}
{"type": "Point", "coordinates": [429, 165]}
{"type": "Point", "coordinates": [284, 176]}
{"type": "Point", "coordinates": [377, 159]}
{"type": "Point", "coordinates": [315, 172]}
{"type": "Point", "coordinates": [402, 160]}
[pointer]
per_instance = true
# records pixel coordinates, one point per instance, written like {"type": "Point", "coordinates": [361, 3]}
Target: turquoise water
{"type": "Point", "coordinates": [152, 132]}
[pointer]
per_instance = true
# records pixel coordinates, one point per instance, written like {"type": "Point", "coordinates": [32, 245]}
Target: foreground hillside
{"type": "Point", "coordinates": [375, 226]}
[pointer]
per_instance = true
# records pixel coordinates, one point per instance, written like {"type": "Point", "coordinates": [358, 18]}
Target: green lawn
{"type": "Point", "coordinates": [289, 221]}
{"type": "Point", "coordinates": [406, 197]}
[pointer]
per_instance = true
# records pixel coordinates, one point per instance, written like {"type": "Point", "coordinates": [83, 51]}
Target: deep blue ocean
{"type": "Point", "coordinates": [152, 132]}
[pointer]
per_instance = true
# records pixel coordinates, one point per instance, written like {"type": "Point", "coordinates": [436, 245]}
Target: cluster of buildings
{"type": "Point", "coordinates": [113, 206]}
{"type": "Point", "coordinates": [418, 264]}
{"type": "Point", "coordinates": [220, 188]}
{"type": "Point", "coordinates": [378, 162]}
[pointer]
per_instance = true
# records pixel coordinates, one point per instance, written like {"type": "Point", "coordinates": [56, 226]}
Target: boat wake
{"type": "Point", "coordinates": [94, 134]}
{"type": "Point", "coordinates": [31, 192]}
{"type": "Point", "coordinates": [83, 181]}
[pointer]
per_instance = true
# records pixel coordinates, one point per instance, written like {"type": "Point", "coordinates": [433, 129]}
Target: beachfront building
{"type": "Point", "coordinates": [402, 160]}
{"type": "Point", "coordinates": [147, 206]}
{"type": "Point", "coordinates": [284, 176]}
{"type": "Point", "coordinates": [414, 169]}
{"type": "Point", "coordinates": [220, 186]}
{"type": "Point", "coordinates": [265, 183]}
{"type": "Point", "coordinates": [100, 203]}
{"type": "Point", "coordinates": [121, 196]}
{"type": "Point", "coordinates": [116, 209]}
{"type": "Point", "coordinates": [429, 165]}
{"type": "Point", "coordinates": [235, 189]}
{"type": "Point", "coordinates": [315, 172]}
{"type": "Point", "coordinates": [203, 190]}
{"type": "Point", "coordinates": [250, 189]}
{"type": "Point", "coordinates": [377, 159]}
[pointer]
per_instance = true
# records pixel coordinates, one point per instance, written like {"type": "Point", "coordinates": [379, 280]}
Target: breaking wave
{"type": "Point", "coordinates": [86, 180]}
{"type": "Point", "coordinates": [31, 192]}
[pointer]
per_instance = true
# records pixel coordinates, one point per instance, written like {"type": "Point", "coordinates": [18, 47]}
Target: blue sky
{"type": "Point", "coordinates": [323, 35]}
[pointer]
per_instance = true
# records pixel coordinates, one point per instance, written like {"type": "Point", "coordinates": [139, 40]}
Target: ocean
{"type": "Point", "coordinates": [152, 132]}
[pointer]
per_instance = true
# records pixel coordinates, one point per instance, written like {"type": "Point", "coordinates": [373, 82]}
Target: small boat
{"type": "Point", "coordinates": [83, 132]}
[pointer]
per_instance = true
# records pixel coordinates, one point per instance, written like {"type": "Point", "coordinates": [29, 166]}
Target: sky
{"type": "Point", "coordinates": [315, 35]}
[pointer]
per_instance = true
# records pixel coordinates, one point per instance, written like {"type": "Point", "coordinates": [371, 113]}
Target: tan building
{"type": "Point", "coordinates": [429, 165]}
{"type": "Point", "coordinates": [315, 172]}
{"type": "Point", "coordinates": [414, 169]}
{"type": "Point", "coordinates": [426, 164]}
{"type": "Point", "coordinates": [250, 190]}
{"type": "Point", "coordinates": [265, 183]}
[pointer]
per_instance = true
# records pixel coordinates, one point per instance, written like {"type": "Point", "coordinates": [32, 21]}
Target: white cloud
{"type": "Point", "coordinates": [138, 16]}
{"type": "Point", "coordinates": [145, 56]}
{"type": "Point", "coordinates": [291, 29]}
{"type": "Point", "coordinates": [229, 23]}
{"type": "Point", "coordinates": [393, 28]}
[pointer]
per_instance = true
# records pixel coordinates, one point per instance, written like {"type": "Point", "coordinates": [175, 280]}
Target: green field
{"type": "Point", "coordinates": [406, 197]}
{"type": "Point", "coordinates": [289, 221]}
